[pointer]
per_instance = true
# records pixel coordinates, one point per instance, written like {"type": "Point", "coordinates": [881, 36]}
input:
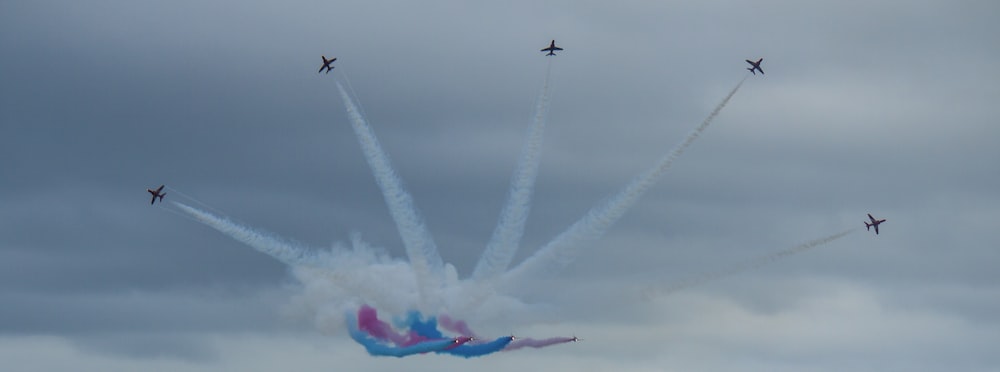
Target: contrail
{"type": "Point", "coordinates": [284, 251]}
{"type": "Point", "coordinates": [530, 342]}
{"type": "Point", "coordinates": [743, 266]}
{"type": "Point", "coordinates": [561, 251]}
{"type": "Point", "coordinates": [199, 202]}
{"type": "Point", "coordinates": [420, 247]}
{"type": "Point", "coordinates": [507, 235]}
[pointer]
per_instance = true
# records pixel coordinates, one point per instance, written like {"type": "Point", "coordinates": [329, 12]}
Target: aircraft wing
{"type": "Point", "coordinates": [556, 48]}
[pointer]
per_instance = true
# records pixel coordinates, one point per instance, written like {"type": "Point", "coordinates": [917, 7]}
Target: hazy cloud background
{"type": "Point", "coordinates": [885, 107]}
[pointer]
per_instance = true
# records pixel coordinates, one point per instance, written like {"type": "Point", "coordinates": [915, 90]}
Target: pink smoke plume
{"type": "Point", "coordinates": [369, 322]}
{"type": "Point", "coordinates": [454, 325]}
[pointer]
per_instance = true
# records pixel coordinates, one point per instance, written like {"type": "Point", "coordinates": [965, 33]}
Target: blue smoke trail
{"type": "Point", "coordinates": [429, 329]}
{"type": "Point", "coordinates": [503, 245]}
{"type": "Point", "coordinates": [377, 348]}
{"type": "Point", "coordinates": [426, 328]}
{"type": "Point", "coordinates": [424, 336]}
{"type": "Point", "coordinates": [470, 350]}
{"type": "Point", "coordinates": [419, 244]}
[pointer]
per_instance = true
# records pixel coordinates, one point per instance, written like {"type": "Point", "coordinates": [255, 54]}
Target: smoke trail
{"type": "Point", "coordinates": [530, 342]}
{"type": "Point", "coordinates": [470, 350]}
{"type": "Point", "coordinates": [376, 348]}
{"type": "Point", "coordinates": [504, 243]}
{"type": "Point", "coordinates": [284, 251]}
{"type": "Point", "coordinates": [743, 266]}
{"type": "Point", "coordinates": [199, 202]}
{"type": "Point", "coordinates": [460, 327]}
{"type": "Point", "coordinates": [379, 338]}
{"type": "Point", "coordinates": [420, 247]}
{"type": "Point", "coordinates": [425, 328]}
{"type": "Point", "coordinates": [368, 321]}
{"type": "Point", "coordinates": [456, 326]}
{"type": "Point", "coordinates": [560, 251]}
{"type": "Point", "coordinates": [353, 93]}
{"type": "Point", "coordinates": [372, 333]}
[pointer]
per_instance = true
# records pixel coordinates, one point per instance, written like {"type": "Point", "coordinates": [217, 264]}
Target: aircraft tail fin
{"type": "Point", "coordinates": [161, 196]}
{"type": "Point", "coordinates": [868, 226]}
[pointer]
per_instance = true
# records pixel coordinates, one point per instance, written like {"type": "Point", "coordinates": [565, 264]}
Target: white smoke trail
{"type": "Point", "coordinates": [743, 266]}
{"type": "Point", "coordinates": [561, 251]}
{"type": "Point", "coordinates": [189, 197]}
{"type": "Point", "coordinates": [354, 94]}
{"type": "Point", "coordinates": [503, 245]}
{"type": "Point", "coordinates": [284, 251]}
{"type": "Point", "coordinates": [420, 247]}
{"type": "Point", "coordinates": [346, 279]}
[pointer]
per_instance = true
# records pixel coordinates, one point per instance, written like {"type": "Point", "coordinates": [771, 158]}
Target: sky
{"type": "Point", "coordinates": [882, 107]}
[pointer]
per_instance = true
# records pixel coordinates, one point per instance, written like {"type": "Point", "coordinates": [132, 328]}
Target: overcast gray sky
{"type": "Point", "coordinates": [885, 107]}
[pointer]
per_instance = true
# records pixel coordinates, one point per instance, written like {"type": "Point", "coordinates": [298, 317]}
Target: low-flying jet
{"type": "Point", "coordinates": [755, 66]}
{"type": "Point", "coordinates": [156, 194]}
{"type": "Point", "coordinates": [576, 339]}
{"type": "Point", "coordinates": [552, 49]}
{"type": "Point", "coordinates": [874, 223]}
{"type": "Point", "coordinates": [326, 64]}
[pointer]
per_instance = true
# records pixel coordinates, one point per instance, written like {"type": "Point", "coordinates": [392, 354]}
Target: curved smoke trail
{"type": "Point", "coordinates": [282, 250]}
{"type": "Point", "coordinates": [420, 247]}
{"type": "Point", "coordinates": [376, 347]}
{"type": "Point", "coordinates": [743, 266]}
{"type": "Point", "coordinates": [503, 245]}
{"type": "Point", "coordinates": [561, 250]}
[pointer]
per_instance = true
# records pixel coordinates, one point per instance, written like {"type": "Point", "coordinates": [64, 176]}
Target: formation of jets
{"type": "Point", "coordinates": [874, 223]}
{"type": "Point", "coordinates": [552, 48]}
{"type": "Point", "coordinates": [156, 194]}
{"type": "Point", "coordinates": [327, 64]}
{"type": "Point", "coordinates": [755, 66]}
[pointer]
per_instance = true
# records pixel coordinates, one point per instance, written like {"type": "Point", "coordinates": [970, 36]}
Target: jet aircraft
{"type": "Point", "coordinates": [459, 341]}
{"type": "Point", "coordinates": [326, 64]}
{"type": "Point", "coordinates": [755, 66]}
{"type": "Point", "coordinates": [552, 49]}
{"type": "Point", "coordinates": [874, 223]}
{"type": "Point", "coordinates": [156, 194]}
